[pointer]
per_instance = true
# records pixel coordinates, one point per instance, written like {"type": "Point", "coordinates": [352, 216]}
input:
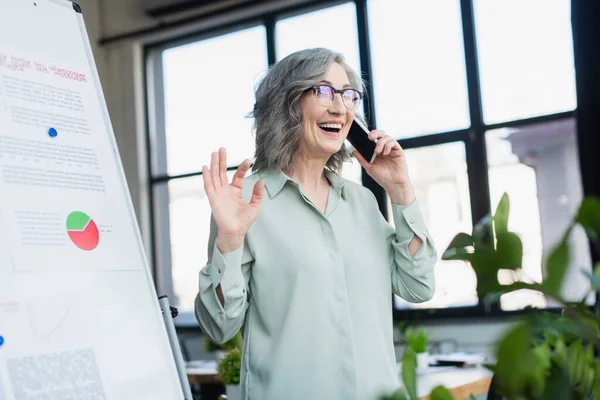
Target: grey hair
{"type": "Point", "coordinates": [278, 120]}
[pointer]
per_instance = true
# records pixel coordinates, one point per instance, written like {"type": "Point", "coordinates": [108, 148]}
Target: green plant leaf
{"type": "Point", "coordinates": [398, 394]}
{"type": "Point", "coordinates": [417, 339]}
{"type": "Point", "coordinates": [540, 369]}
{"type": "Point", "coordinates": [482, 233]}
{"type": "Point", "coordinates": [556, 268]}
{"type": "Point", "coordinates": [589, 217]}
{"type": "Point", "coordinates": [440, 393]}
{"type": "Point", "coordinates": [235, 341]}
{"type": "Point", "coordinates": [557, 385]}
{"type": "Point", "coordinates": [509, 250]}
{"type": "Point", "coordinates": [514, 360]}
{"type": "Point", "coordinates": [501, 215]}
{"type": "Point", "coordinates": [560, 353]}
{"type": "Point", "coordinates": [460, 248]}
{"type": "Point", "coordinates": [574, 364]}
{"type": "Point", "coordinates": [587, 379]}
{"type": "Point", "coordinates": [560, 328]}
{"type": "Point", "coordinates": [596, 385]}
{"type": "Point", "coordinates": [492, 297]}
{"type": "Point", "coordinates": [594, 278]}
{"type": "Point", "coordinates": [485, 263]}
{"type": "Point", "coordinates": [409, 372]}
{"type": "Point", "coordinates": [228, 369]}
{"type": "Point", "coordinates": [588, 320]}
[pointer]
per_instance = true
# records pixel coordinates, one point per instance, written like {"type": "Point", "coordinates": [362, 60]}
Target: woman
{"type": "Point", "coordinates": [301, 257]}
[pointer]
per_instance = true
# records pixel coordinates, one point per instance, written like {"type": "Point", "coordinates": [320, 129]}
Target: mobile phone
{"type": "Point", "coordinates": [358, 136]}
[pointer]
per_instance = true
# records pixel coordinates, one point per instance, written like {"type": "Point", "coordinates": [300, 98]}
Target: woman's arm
{"type": "Point", "coordinates": [413, 254]}
{"type": "Point", "coordinates": [404, 196]}
{"type": "Point", "coordinates": [411, 247]}
{"type": "Point", "coordinates": [222, 300]}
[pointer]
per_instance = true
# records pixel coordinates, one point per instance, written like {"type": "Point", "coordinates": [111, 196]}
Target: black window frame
{"type": "Point", "coordinates": [473, 137]}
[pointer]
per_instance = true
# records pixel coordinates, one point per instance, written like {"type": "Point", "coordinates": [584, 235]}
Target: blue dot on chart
{"type": "Point", "coordinates": [1, 340]}
{"type": "Point", "coordinates": [52, 132]}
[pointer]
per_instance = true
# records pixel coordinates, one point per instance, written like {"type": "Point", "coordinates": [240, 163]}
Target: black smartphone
{"type": "Point", "coordinates": [358, 136]}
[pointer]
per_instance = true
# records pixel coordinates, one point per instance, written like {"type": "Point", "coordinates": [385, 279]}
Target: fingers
{"type": "Point", "coordinates": [209, 188]}
{"type": "Point", "coordinates": [361, 160]}
{"type": "Point", "coordinates": [381, 143]}
{"type": "Point", "coordinates": [214, 170]}
{"type": "Point", "coordinates": [223, 166]}
{"type": "Point", "coordinates": [258, 193]}
{"type": "Point", "coordinates": [376, 134]}
{"type": "Point", "coordinates": [385, 145]}
{"type": "Point", "coordinates": [389, 146]}
{"type": "Point", "coordinates": [240, 173]}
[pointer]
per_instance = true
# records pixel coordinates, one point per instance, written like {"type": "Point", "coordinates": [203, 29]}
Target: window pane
{"type": "Point", "coordinates": [538, 167]}
{"type": "Point", "coordinates": [206, 102]}
{"type": "Point", "coordinates": [418, 66]}
{"type": "Point", "coordinates": [307, 31]}
{"type": "Point", "coordinates": [189, 225]}
{"type": "Point", "coordinates": [525, 51]}
{"type": "Point", "coordinates": [333, 28]}
{"type": "Point", "coordinates": [443, 194]}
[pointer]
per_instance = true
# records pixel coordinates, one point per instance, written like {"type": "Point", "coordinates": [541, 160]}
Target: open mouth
{"type": "Point", "coordinates": [332, 128]}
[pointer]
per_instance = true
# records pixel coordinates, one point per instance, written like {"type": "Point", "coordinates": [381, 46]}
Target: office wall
{"type": "Point", "coordinates": [121, 66]}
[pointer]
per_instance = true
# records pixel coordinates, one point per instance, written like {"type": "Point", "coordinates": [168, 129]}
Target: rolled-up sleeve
{"type": "Point", "coordinates": [232, 272]}
{"type": "Point", "coordinates": [412, 276]}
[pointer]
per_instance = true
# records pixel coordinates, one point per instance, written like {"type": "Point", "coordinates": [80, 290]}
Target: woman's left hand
{"type": "Point", "coordinates": [389, 169]}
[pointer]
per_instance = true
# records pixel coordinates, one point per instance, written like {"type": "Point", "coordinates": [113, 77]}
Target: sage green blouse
{"type": "Point", "coordinates": [313, 291]}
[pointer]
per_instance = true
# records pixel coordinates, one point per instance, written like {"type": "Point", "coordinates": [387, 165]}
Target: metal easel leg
{"type": "Point", "coordinates": [168, 314]}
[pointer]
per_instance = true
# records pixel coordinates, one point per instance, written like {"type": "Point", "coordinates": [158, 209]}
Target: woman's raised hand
{"type": "Point", "coordinates": [231, 213]}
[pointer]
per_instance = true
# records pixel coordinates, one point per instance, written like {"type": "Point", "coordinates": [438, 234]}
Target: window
{"type": "Point", "coordinates": [332, 27]}
{"type": "Point", "coordinates": [439, 176]}
{"type": "Point", "coordinates": [525, 52]}
{"type": "Point", "coordinates": [205, 107]}
{"type": "Point", "coordinates": [418, 61]}
{"type": "Point", "coordinates": [480, 94]}
{"type": "Point", "coordinates": [537, 165]}
{"type": "Point", "coordinates": [206, 102]}
{"type": "Point", "coordinates": [189, 215]}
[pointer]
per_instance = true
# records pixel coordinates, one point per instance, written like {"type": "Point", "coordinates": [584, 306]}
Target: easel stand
{"type": "Point", "coordinates": [168, 316]}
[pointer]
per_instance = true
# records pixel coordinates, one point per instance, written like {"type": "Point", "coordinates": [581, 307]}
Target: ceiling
{"type": "Point", "coordinates": [159, 8]}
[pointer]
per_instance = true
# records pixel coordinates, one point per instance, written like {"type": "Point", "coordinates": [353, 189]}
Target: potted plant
{"type": "Point", "coordinates": [418, 340]}
{"type": "Point", "coordinates": [409, 379]}
{"type": "Point", "coordinates": [219, 350]}
{"type": "Point", "coordinates": [546, 355]}
{"type": "Point", "coordinates": [228, 371]}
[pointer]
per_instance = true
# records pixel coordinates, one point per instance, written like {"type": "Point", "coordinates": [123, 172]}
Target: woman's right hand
{"type": "Point", "coordinates": [231, 213]}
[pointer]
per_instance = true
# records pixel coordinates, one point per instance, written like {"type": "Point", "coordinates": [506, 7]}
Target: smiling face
{"type": "Point", "coordinates": [325, 127]}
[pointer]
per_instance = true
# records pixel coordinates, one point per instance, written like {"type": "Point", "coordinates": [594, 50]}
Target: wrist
{"type": "Point", "coordinates": [402, 195]}
{"type": "Point", "coordinates": [228, 243]}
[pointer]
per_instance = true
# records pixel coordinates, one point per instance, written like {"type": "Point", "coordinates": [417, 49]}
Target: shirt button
{"type": "Point", "coordinates": [412, 221]}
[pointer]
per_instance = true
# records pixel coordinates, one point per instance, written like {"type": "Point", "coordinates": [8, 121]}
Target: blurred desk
{"type": "Point", "coordinates": [202, 372]}
{"type": "Point", "coordinates": [461, 382]}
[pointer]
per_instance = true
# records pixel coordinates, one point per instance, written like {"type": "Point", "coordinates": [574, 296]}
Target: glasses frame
{"type": "Point", "coordinates": [341, 92]}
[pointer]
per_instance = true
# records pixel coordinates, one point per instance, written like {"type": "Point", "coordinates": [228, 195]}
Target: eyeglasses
{"type": "Point", "coordinates": [325, 95]}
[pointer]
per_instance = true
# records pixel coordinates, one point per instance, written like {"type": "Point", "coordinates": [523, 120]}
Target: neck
{"type": "Point", "coordinates": [309, 172]}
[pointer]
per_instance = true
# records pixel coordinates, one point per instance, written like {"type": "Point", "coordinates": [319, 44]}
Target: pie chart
{"type": "Point", "coordinates": [82, 230]}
